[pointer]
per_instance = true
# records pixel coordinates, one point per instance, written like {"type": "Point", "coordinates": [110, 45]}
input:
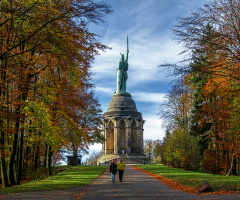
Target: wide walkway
{"type": "Point", "coordinates": [136, 185]}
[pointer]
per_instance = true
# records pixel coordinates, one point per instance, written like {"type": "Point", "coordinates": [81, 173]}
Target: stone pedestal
{"type": "Point", "coordinates": [122, 128]}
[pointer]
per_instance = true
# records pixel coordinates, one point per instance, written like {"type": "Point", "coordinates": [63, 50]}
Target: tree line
{"type": "Point", "coordinates": [47, 101]}
{"type": "Point", "coordinates": [201, 113]}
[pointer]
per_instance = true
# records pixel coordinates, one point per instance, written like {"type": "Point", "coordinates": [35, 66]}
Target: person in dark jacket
{"type": "Point", "coordinates": [113, 170]}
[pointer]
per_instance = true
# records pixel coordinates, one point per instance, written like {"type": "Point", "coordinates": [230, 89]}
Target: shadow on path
{"type": "Point", "coordinates": [136, 185]}
{"type": "Point", "coordinates": [65, 194]}
{"type": "Point", "coordinates": [139, 185]}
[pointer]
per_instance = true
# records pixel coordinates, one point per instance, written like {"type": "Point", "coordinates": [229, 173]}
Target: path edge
{"type": "Point", "coordinates": [177, 186]}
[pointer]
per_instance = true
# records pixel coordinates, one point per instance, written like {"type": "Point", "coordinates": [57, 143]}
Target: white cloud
{"type": "Point", "coordinates": [107, 90]}
{"type": "Point", "coordinates": [96, 147]}
{"type": "Point", "coordinates": [153, 128]}
{"type": "Point", "coordinates": [149, 97]}
{"type": "Point", "coordinates": [143, 60]}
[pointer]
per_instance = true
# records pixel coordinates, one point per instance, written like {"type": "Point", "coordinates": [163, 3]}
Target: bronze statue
{"type": "Point", "coordinates": [122, 75]}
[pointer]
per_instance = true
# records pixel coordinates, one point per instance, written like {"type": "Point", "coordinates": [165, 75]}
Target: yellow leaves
{"type": "Point", "coordinates": [41, 121]}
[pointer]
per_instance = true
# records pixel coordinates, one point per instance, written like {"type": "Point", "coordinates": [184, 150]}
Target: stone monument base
{"type": "Point", "coordinates": [127, 158]}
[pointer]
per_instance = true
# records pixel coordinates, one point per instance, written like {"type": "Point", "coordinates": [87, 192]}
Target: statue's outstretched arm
{"type": "Point", "coordinates": [127, 50]}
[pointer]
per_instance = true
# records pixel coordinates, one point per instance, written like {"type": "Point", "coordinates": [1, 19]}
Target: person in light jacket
{"type": "Point", "coordinates": [120, 168]}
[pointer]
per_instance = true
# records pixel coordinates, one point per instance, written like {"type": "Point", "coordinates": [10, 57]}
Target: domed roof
{"type": "Point", "coordinates": [122, 105]}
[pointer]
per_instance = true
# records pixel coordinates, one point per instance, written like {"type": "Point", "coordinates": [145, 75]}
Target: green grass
{"type": "Point", "coordinates": [193, 179]}
{"type": "Point", "coordinates": [70, 176]}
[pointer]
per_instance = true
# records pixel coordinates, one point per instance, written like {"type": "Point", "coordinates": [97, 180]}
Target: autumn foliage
{"type": "Point", "coordinates": [46, 98]}
{"type": "Point", "coordinates": [210, 38]}
{"type": "Point", "coordinates": [171, 183]}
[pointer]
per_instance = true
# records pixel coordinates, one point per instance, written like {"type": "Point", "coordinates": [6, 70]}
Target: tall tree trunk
{"type": "Point", "coordinates": [45, 156]}
{"type": "Point", "coordinates": [49, 161]}
{"type": "Point", "coordinates": [234, 169]}
{"type": "Point", "coordinates": [36, 156]}
{"type": "Point", "coordinates": [74, 155]}
{"type": "Point", "coordinates": [232, 163]}
{"type": "Point", "coordinates": [5, 181]}
{"type": "Point", "coordinates": [24, 88]}
{"type": "Point", "coordinates": [4, 174]}
{"type": "Point", "coordinates": [14, 148]}
{"type": "Point", "coordinates": [26, 157]}
{"type": "Point", "coordinates": [20, 156]}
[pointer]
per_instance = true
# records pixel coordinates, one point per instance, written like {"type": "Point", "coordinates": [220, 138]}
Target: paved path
{"type": "Point", "coordinates": [136, 185]}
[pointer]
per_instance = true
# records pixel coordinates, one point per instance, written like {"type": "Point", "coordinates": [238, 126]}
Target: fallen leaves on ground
{"type": "Point", "coordinates": [177, 186]}
{"type": "Point", "coordinates": [171, 183]}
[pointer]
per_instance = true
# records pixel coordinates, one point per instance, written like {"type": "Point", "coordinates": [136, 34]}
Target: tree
{"type": "Point", "coordinates": [210, 37]}
{"type": "Point", "coordinates": [212, 94]}
{"type": "Point", "coordinates": [89, 127]}
{"type": "Point", "coordinates": [46, 49]}
{"type": "Point", "coordinates": [92, 159]}
{"type": "Point", "coordinates": [157, 151]}
{"type": "Point", "coordinates": [223, 16]}
{"type": "Point", "coordinates": [176, 109]}
{"type": "Point", "coordinates": [148, 149]}
{"type": "Point", "coordinates": [182, 150]}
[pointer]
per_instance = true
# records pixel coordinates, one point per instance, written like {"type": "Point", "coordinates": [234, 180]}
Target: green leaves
{"type": "Point", "coordinates": [45, 88]}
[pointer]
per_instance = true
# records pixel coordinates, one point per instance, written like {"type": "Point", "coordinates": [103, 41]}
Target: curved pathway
{"type": "Point", "coordinates": [136, 185]}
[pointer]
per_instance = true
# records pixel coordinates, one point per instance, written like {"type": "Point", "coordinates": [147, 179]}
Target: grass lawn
{"type": "Point", "coordinates": [193, 179]}
{"type": "Point", "coordinates": [68, 177]}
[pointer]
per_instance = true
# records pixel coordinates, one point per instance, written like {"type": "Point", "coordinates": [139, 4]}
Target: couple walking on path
{"type": "Point", "coordinates": [120, 167]}
{"type": "Point", "coordinates": [137, 185]}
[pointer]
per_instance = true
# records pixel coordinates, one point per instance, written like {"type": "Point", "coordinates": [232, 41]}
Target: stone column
{"type": "Point", "coordinates": [142, 122]}
{"type": "Point", "coordinates": [128, 127]}
{"type": "Point", "coordinates": [116, 135]}
{"type": "Point", "coordinates": [138, 140]}
{"type": "Point", "coordinates": [106, 128]}
{"type": "Point", "coordinates": [141, 134]}
{"type": "Point", "coordinates": [139, 137]}
{"type": "Point", "coordinates": [104, 136]}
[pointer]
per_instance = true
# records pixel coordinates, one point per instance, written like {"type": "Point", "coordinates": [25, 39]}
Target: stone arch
{"type": "Point", "coordinates": [110, 138]}
{"type": "Point", "coordinates": [111, 120]}
{"type": "Point", "coordinates": [134, 138]}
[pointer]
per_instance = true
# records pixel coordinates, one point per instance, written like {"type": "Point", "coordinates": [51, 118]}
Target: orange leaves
{"type": "Point", "coordinates": [45, 59]}
{"type": "Point", "coordinates": [177, 186]}
{"type": "Point", "coordinates": [171, 183]}
{"type": "Point", "coordinates": [211, 36]}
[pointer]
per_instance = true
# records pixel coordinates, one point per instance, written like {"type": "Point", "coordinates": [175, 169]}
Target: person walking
{"type": "Point", "coordinates": [120, 168]}
{"type": "Point", "coordinates": [113, 170]}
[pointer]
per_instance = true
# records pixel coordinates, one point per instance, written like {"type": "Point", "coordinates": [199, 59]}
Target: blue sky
{"type": "Point", "coordinates": [148, 25]}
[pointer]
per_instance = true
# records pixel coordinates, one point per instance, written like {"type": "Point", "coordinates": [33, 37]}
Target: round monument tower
{"type": "Point", "coordinates": [122, 124]}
